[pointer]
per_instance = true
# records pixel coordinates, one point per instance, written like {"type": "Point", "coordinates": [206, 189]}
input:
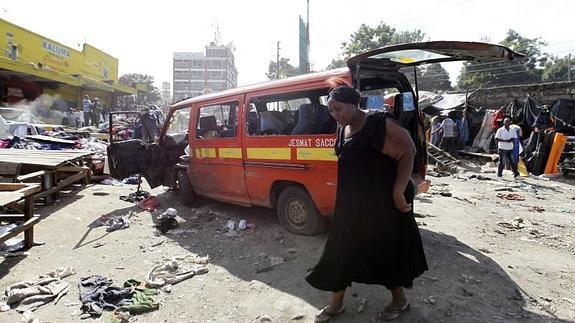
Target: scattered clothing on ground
{"type": "Point", "coordinates": [149, 204]}
{"type": "Point", "coordinates": [30, 295]}
{"type": "Point", "coordinates": [114, 223]}
{"type": "Point", "coordinates": [135, 196]}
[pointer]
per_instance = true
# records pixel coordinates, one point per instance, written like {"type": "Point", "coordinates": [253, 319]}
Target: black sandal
{"type": "Point", "coordinates": [324, 315]}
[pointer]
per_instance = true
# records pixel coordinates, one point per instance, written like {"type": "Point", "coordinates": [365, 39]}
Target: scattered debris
{"type": "Point", "coordinates": [98, 244]}
{"type": "Point", "coordinates": [98, 294]}
{"type": "Point", "coordinates": [111, 181]}
{"type": "Point", "coordinates": [276, 261]}
{"type": "Point", "coordinates": [149, 203]}
{"type": "Point", "coordinates": [537, 209]}
{"type": "Point", "coordinates": [132, 180]}
{"type": "Point", "coordinates": [167, 220]}
{"type": "Point", "coordinates": [264, 318]}
{"type": "Point", "coordinates": [298, 317]}
{"type": "Point", "coordinates": [172, 272]}
{"type": "Point", "coordinates": [361, 304]}
{"type": "Point", "coordinates": [480, 177]}
{"type": "Point", "coordinates": [114, 223]}
{"type": "Point", "coordinates": [230, 226]}
{"type": "Point", "coordinates": [467, 292]}
{"type": "Point", "coordinates": [99, 192]}
{"type": "Point", "coordinates": [292, 251]}
{"type": "Point", "coordinates": [503, 189]}
{"type": "Point", "coordinates": [490, 167]}
{"type": "Point", "coordinates": [429, 300]}
{"type": "Point", "coordinates": [470, 280]}
{"type": "Point", "coordinates": [546, 298]}
{"type": "Point", "coordinates": [29, 317]}
{"type": "Point", "coordinates": [516, 224]}
{"type": "Point", "coordinates": [511, 196]}
{"type": "Point", "coordinates": [485, 250]}
{"type": "Point", "coordinates": [135, 197]}
{"type": "Point", "coordinates": [252, 226]}
{"type": "Point", "coordinates": [463, 199]}
{"type": "Point", "coordinates": [30, 295]}
{"type": "Point", "coordinates": [264, 269]}
{"type": "Point", "coordinates": [242, 225]}
{"type": "Point", "coordinates": [60, 273]}
{"type": "Point", "coordinates": [277, 235]}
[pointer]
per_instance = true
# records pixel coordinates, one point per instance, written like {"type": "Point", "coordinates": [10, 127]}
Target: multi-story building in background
{"type": "Point", "coordinates": [166, 94]}
{"type": "Point", "coordinates": [199, 73]}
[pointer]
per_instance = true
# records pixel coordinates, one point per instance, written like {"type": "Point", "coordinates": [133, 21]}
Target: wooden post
{"type": "Point", "coordinates": [28, 213]}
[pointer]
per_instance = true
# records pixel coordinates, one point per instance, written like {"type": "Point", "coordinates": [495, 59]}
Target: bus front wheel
{"type": "Point", "coordinates": [297, 212]}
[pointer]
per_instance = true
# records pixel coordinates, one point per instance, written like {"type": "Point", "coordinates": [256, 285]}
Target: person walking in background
{"type": "Point", "coordinates": [505, 137]}
{"type": "Point", "coordinates": [448, 140]}
{"type": "Point", "coordinates": [96, 112]}
{"type": "Point", "coordinates": [435, 123]}
{"type": "Point", "coordinates": [87, 109]}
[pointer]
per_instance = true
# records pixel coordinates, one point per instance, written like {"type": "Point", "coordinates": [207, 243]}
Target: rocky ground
{"type": "Point", "coordinates": [491, 259]}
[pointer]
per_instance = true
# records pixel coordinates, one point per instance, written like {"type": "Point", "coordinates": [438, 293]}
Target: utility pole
{"type": "Point", "coordinates": [569, 67]}
{"type": "Point", "coordinates": [308, 67]}
{"type": "Point", "coordinates": [278, 60]}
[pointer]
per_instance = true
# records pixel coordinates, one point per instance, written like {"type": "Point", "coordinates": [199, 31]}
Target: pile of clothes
{"type": "Point", "coordinates": [30, 295]}
{"type": "Point", "coordinates": [97, 294]}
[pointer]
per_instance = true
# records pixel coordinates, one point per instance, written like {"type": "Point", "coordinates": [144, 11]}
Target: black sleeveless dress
{"type": "Point", "coordinates": [370, 240]}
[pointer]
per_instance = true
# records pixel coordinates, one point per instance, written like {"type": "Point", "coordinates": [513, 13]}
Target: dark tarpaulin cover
{"type": "Point", "coordinates": [563, 112]}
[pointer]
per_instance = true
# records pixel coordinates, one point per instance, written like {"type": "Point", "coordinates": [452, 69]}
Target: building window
{"type": "Point", "coordinates": [197, 63]}
{"type": "Point", "coordinates": [197, 74]}
{"type": "Point", "coordinates": [215, 74]}
{"type": "Point", "coordinates": [217, 63]}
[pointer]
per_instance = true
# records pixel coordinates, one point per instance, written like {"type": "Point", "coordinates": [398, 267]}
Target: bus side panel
{"type": "Point", "coordinates": [307, 160]}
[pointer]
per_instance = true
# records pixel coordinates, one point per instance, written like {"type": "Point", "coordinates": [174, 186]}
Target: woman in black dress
{"type": "Point", "coordinates": [373, 238]}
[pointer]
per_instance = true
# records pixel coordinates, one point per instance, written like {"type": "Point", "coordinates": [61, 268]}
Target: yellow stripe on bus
{"type": "Point", "coordinates": [202, 153]}
{"type": "Point", "coordinates": [326, 154]}
{"type": "Point", "coordinates": [235, 153]}
{"type": "Point", "coordinates": [269, 153]}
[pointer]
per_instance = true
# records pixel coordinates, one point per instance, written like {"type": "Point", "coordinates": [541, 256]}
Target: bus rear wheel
{"type": "Point", "coordinates": [185, 190]}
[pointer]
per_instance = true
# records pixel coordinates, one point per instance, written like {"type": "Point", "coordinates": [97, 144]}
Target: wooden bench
{"type": "Point", "coordinates": [11, 194]}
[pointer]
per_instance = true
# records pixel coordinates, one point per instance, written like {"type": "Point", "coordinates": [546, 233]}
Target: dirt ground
{"type": "Point", "coordinates": [490, 259]}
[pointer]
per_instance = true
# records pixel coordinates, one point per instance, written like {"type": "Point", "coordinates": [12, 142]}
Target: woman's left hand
{"type": "Point", "coordinates": [400, 202]}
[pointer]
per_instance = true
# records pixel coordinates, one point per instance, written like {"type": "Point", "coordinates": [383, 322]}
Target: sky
{"type": "Point", "coordinates": [144, 34]}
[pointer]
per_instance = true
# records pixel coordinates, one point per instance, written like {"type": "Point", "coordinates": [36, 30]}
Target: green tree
{"type": "Point", "coordinates": [521, 71]}
{"type": "Point", "coordinates": [433, 77]}
{"type": "Point", "coordinates": [367, 38]}
{"type": "Point", "coordinates": [285, 69]}
{"type": "Point", "coordinates": [151, 95]}
{"type": "Point", "coordinates": [556, 70]}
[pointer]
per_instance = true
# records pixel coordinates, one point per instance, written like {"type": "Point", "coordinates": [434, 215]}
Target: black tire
{"type": "Point", "coordinates": [297, 212]}
{"type": "Point", "coordinates": [185, 190]}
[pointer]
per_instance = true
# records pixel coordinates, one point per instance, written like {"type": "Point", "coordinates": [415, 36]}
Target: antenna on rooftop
{"type": "Point", "coordinates": [217, 35]}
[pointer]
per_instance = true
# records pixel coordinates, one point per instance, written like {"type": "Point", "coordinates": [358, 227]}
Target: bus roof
{"type": "Point", "coordinates": [264, 85]}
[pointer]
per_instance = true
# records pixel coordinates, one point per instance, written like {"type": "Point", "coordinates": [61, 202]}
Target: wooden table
{"type": "Point", "coordinates": [46, 158]}
{"type": "Point", "coordinates": [12, 193]}
{"type": "Point", "coordinates": [54, 169]}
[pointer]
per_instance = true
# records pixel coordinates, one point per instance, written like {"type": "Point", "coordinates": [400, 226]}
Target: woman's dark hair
{"type": "Point", "coordinates": [345, 94]}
